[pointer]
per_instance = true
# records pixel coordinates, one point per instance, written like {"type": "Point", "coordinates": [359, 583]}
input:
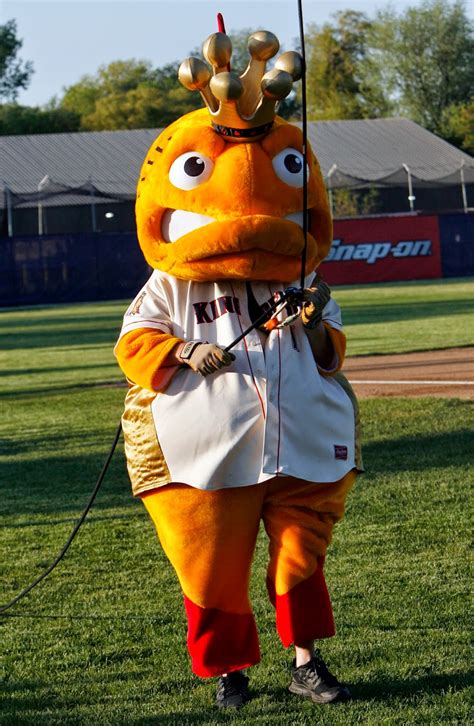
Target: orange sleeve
{"type": "Point", "coordinates": [338, 340]}
{"type": "Point", "coordinates": [142, 355]}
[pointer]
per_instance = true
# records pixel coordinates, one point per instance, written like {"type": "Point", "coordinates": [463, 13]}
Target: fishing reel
{"type": "Point", "coordinates": [292, 298]}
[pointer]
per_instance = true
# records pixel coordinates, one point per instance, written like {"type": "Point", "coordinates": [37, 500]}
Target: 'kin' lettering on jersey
{"type": "Point", "coordinates": [207, 312]}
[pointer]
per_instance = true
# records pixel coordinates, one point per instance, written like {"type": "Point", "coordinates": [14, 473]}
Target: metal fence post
{"type": "Point", "coordinates": [463, 187]}
{"type": "Point", "coordinates": [8, 195]}
{"type": "Point", "coordinates": [331, 202]}
{"type": "Point", "coordinates": [43, 183]}
{"type": "Point", "coordinates": [411, 197]}
{"type": "Point", "coordinates": [93, 209]}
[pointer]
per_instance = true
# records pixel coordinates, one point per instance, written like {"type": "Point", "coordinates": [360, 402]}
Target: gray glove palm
{"type": "Point", "coordinates": [207, 358]}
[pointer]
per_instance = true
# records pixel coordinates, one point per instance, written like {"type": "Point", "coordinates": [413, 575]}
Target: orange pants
{"type": "Point", "coordinates": [209, 538]}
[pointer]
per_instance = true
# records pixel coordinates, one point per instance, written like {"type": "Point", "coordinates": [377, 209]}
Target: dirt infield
{"type": "Point", "coordinates": [445, 373]}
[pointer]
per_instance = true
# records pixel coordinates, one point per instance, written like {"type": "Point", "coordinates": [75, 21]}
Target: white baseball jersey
{"type": "Point", "coordinates": [269, 413]}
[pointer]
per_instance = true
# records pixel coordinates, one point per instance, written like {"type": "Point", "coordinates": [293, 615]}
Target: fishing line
{"type": "Point", "coordinates": [304, 129]}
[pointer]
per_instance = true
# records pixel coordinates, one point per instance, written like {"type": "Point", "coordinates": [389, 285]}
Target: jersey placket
{"type": "Point", "coordinates": [272, 362]}
{"type": "Point", "coordinates": [253, 348]}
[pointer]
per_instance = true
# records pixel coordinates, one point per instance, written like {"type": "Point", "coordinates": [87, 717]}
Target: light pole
{"type": "Point", "coordinates": [463, 186]}
{"type": "Point", "coordinates": [43, 183]}
{"type": "Point", "coordinates": [330, 173]}
{"type": "Point", "coordinates": [8, 196]}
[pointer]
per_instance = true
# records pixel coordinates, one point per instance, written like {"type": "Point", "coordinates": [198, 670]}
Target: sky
{"type": "Point", "coordinates": [67, 39]}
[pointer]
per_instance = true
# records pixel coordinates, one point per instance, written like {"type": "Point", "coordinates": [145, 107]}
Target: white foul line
{"type": "Point", "coordinates": [416, 383]}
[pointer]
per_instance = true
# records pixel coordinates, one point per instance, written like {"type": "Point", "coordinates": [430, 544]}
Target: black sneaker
{"type": "Point", "coordinates": [314, 680]}
{"type": "Point", "coordinates": [232, 690]}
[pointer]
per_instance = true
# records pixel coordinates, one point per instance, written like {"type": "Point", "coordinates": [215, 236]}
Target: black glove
{"type": "Point", "coordinates": [315, 300]}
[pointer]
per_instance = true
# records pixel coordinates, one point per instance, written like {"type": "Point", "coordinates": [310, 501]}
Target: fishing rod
{"type": "Point", "coordinates": [290, 296]}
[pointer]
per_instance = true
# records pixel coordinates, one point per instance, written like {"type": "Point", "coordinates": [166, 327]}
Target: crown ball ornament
{"type": "Point", "coordinates": [226, 86]}
{"type": "Point", "coordinates": [242, 108]}
{"type": "Point", "coordinates": [292, 63]}
{"type": "Point", "coordinates": [217, 50]}
{"type": "Point", "coordinates": [276, 84]}
{"type": "Point", "coordinates": [195, 75]}
{"type": "Point", "coordinates": [263, 45]}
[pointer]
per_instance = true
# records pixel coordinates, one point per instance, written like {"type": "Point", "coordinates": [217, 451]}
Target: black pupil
{"type": "Point", "coordinates": [194, 166]}
{"type": "Point", "coordinates": [293, 163]}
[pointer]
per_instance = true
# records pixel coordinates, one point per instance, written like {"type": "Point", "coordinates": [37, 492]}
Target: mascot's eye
{"type": "Point", "coordinates": [288, 165]}
{"type": "Point", "coordinates": [190, 170]}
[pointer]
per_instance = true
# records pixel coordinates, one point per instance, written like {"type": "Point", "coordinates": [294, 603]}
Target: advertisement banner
{"type": "Point", "coordinates": [383, 249]}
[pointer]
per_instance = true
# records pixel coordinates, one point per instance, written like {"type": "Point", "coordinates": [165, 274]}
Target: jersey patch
{"type": "Point", "coordinates": [340, 452]}
{"type": "Point", "coordinates": [136, 305]}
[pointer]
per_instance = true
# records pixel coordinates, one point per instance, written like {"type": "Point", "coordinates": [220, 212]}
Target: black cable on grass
{"type": "Point", "coordinates": [57, 560]}
{"type": "Point", "coordinates": [288, 295]}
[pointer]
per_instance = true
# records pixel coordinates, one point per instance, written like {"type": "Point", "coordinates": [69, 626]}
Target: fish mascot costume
{"type": "Point", "coordinates": [219, 434]}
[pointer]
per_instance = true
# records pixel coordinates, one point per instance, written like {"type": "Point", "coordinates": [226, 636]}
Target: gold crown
{"type": "Point", "coordinates": [242, 108]}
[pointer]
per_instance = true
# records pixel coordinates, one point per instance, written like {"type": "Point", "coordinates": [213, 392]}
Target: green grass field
{"type": "Point", "coordinates": [102, 639]}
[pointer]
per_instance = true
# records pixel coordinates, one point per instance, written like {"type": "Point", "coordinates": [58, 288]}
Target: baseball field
{"type": "Point", "coordinates": [102, 640]}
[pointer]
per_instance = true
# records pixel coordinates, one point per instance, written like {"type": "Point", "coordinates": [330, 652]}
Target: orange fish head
{"type": "Point", "coordinates": [209, 209]}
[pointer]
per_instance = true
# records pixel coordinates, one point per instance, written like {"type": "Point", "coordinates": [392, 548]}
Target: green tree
{"type": "Point", "coordinates": [81, 97]}
{"type": "Point", "coordinates": [355, 202]}
{"type": "Point", "coordinates": [343, 78]}
{"type": "Point", "coordinates": [127, 95]}
{"type": "Point", "coordinates": [457, 125]}
{"type": "Point", "coordinates": [14, 74]}
{"type": "Point", "coordinates": [16, 119]}
{"type": "Point", "coordinates": [427, 54]}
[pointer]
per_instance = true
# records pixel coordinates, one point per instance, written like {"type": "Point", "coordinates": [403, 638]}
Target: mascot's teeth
{"type": "Point", "coordinates": [177, 223]}
{"type": "Point", "coordinates": [296, 217]}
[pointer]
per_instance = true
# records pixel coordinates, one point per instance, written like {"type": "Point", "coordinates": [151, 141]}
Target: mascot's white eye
{"type": "Point", "coordinates": [190, 170]}
{"type": "Point", "coordinates": [288, 165]}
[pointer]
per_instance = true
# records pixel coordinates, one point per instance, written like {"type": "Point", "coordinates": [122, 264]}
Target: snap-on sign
{"type": "Point", "coordinates": [383, 250]}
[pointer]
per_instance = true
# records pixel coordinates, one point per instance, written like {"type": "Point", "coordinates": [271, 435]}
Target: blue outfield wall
{"type": "Point", "coordinates": [82, 267]}
{"type": "Point", "coordinates": [70, 268]}
{"type": "Point", "coordinates": [456, 233]}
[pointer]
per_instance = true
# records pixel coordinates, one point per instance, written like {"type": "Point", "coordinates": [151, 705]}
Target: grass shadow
{"type": "Point", "coordinates": [383, 689]}
{"type": "Point", "coordinates": [45, 391]}
{"type": "Point", "coordinates": [397, 312]}
{"type": "Point", "coordinates": [41, 340]}
{"type": "Point", "coordinates": [419, 452]}
{"type": "Point", "coordinates": [7, 372]}
{"type": "Point", "coordinates": [62, 485]}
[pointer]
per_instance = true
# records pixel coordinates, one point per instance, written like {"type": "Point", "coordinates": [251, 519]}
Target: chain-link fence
{"type": "Point", "coordinates": [69, 268]}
